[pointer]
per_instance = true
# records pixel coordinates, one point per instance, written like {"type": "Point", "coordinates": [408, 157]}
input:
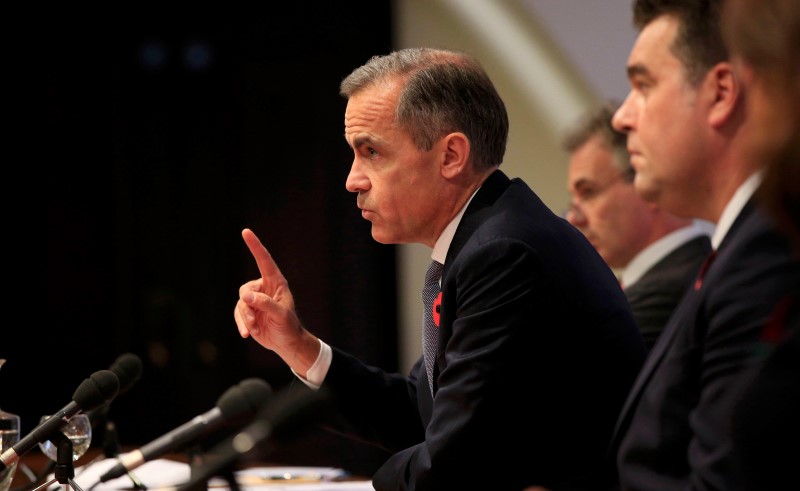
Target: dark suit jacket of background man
{"type": "Point", "coordinates": [537, 352]}
{"type": "Point", "coordinates": [655, 295]}
{"type": "Point", "coordinates": [674, 430]}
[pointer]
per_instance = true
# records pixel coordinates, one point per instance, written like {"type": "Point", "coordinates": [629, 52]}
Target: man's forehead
{"type": "Point", "coordinates": [657, 37]}
{"type": "Point", "coordinates": [594, 162]}
{"type": "Point", "coordinates": [370, 115]}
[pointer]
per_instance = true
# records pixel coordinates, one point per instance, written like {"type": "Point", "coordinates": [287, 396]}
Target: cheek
{"type": "Point", "coordinates": [399, 201]}
{"type": "Point", "coordinates": [594, 214]}
{"type": "Point", "coordinates": [608, 217]}
{"type": "Point", "coordinates": [597, 218]}
{"type": "Point", "coordinates": [663, 117]}
{"type": "Point", "coordinates": [664, 145]}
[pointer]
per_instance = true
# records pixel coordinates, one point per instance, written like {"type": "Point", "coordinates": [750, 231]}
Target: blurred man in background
{"type": "Point", "coordinates": [659, 253]}
{"type": "Point", "coordinates": [764, 38]}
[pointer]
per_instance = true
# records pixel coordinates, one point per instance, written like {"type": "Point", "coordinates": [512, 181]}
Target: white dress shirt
{"type": "Point", "coordinates": [655, 252]}
{"type": "Point", "coordinates": [318, 371]}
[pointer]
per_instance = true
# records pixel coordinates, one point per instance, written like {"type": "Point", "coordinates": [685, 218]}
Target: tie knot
{"type": "Point", "coordinates": [434, 273]}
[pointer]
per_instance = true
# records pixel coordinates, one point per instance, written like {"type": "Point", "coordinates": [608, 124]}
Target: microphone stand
{"type": "Point", "coordinates": [201, 471]}
{"type": "Point", "coordinates": [64, 470]}
{"type": "Point", "coordinates": [111, 450]}
{"type": "Point", "coordinates": [34, 479]}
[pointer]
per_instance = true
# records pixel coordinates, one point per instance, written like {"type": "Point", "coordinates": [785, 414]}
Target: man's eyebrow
{"type": "Point", "coordinates": [638, 70]}
{"type": "Point", "coordinates": [582, 182]}
{"type": "Point", "coordinates": [362, 140]}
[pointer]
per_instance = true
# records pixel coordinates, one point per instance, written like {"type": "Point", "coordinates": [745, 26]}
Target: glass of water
{"type": "Point", "coordinates": [78, 429]}
{"type": "Point", "coordinates": [9, 435]}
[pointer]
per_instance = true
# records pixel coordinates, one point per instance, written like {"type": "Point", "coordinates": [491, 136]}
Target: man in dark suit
{"type": "Point", "coordinates": [659, 253]}
{"type": "Point", "coordinates": [534, 346]}
{"type": "Point", "coordinates": [687, 132]}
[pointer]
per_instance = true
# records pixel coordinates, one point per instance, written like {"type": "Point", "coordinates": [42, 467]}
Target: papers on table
{"type": "Point", "coordinates": [157, 473]}
{"type": "Point", "coordinates": [167, 474]}
{"type": "Point", "coordinates": [294, 478]}
{"type": "Point", "coordinates": [284, 475]}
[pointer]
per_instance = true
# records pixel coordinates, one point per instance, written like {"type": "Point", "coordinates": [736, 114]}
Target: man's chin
{"type": "Point", "coordinates": [378, 237]}
{"type": "Point", "coordinates": [645, 189]}
{"type": "Point", "coordinates": [387, 239]}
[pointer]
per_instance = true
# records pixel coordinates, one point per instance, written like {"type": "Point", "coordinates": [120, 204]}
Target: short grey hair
{"type": "Point", "coordinates": [598, 122]}
{"type": "Point", "coordinates": [444, 91]}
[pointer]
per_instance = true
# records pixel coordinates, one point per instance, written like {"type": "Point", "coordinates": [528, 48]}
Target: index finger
{"type": "Point", "coordinates": [266, 265]}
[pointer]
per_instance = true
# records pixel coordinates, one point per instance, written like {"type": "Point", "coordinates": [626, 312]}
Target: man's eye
{"type": "Point", "coordinates": [372, 152]}
{"type": "Point", "coordinates": [640, 85]}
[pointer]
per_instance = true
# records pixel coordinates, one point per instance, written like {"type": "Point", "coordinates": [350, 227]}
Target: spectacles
{"type": "Point", "coordinates": [589, 193]}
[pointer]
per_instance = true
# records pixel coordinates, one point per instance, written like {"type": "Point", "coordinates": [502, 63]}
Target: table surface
{"type": "Point", "coordinates": [39, 465]}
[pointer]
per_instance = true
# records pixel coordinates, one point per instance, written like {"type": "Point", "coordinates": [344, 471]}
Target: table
{"type": "Point", "coordinates": [170, 472]}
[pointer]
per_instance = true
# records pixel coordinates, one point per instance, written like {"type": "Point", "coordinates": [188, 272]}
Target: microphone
{"type": "Point", "coordinates": [279, 420]}
{"type": "Point", "coordinates": [128, 369]}
{"type": "Point", "coordinates": [288, 415]}
{"type": "Point", "coordinates": [236, 406]}
{"type": "Point", "coordinates": [100, 387]}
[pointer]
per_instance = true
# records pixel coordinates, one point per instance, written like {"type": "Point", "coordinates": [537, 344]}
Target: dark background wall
{"type": "Point", "coordinates": [159, 140]}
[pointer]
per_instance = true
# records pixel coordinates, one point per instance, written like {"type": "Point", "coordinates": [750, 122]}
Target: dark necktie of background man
{"type": "Point", "coordinates": [704, 269]}
{"type": "Point", "coordinates": [430, 335]}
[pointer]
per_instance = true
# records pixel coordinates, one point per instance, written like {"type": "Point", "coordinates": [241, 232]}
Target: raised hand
{"type": "Point", "coordinates": [265, 311]}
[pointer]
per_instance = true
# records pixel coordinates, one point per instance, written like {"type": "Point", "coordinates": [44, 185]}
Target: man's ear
{"type": "Point", "coordinates": [455, 153]}
{"type": "Point", "coordinates": [724, 93]}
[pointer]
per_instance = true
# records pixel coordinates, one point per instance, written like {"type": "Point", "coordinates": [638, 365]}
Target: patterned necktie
{"type": "Point", "coordinates": [430, 335]}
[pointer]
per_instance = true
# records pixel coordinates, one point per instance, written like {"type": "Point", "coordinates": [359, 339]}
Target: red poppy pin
{"type": "Point", "coordinates": [437, 309]}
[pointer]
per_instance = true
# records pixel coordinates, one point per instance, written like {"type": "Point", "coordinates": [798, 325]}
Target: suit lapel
{"type": "Point", "coordinates": [492, 188]}
{"type": "Point", "coordinates": [681, 318]}
{"type": "Point", "coordinates": [665, 339]}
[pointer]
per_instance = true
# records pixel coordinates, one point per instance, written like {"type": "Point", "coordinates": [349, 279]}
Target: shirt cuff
{"type": "Point", "coordinates": [316, 374]}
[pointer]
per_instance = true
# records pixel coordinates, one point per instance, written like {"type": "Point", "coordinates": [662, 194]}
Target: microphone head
{"type": "Point", "coordinates": [101, 386]}
{"type": "Point", "coordinates": [295, 410]}
{"type": "Point", "coordinates": [240, 403]}
{"type": "Point", "coordinates": [128, 369]}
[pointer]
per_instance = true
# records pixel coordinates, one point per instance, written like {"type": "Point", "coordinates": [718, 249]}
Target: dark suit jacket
{"type": "Point", "coordinates": [537, 351]}
{"type": "Point", "coordinates": [766, 418]}
{"type": "Point", "coordinates": [674, 431]}
{"type": "Point", "coordinates": [654, 297]}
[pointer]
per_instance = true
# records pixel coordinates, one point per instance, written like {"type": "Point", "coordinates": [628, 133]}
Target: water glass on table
{"type": "Point", "coordinates": [78, 429]}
